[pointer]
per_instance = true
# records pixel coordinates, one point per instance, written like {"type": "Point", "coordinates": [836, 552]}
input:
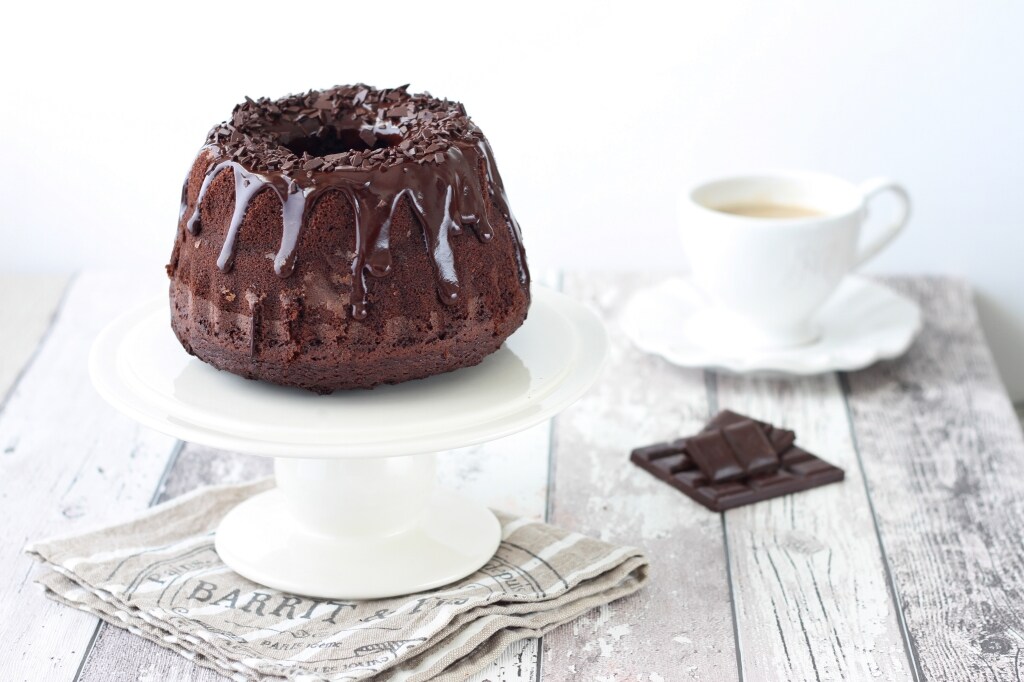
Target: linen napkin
{"type": "Point", "coordinates": [159, 577]}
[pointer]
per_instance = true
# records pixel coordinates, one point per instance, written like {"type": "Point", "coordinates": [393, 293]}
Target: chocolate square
{"type": "Point", "coordinates": [711, 452]}
{"type": "Point", "coordinates": [752, 448]}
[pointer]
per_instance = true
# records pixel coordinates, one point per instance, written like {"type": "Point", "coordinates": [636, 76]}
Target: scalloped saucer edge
{"type": "Point", "coordinates": [862, 323]}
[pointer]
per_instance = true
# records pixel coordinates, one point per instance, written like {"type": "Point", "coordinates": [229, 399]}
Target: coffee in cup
{"type": "Point", "coordinates": [765, 210]}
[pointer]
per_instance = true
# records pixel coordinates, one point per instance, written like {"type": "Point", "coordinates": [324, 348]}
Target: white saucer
{"type": "Point", "coordinates": [862, 323]}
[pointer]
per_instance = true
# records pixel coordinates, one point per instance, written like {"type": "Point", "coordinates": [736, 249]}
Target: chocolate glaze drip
{"type": "Point", "coordinates": [443, 179]}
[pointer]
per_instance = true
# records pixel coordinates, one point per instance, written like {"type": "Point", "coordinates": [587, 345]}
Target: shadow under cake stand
{"type": "Point", "coordinates": [355, 513]}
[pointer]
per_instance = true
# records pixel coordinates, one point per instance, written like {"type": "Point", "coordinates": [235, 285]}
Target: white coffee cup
{"type": "Point", "coordinates": [765, 277]}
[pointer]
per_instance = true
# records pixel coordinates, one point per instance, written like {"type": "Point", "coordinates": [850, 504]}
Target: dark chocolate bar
{"type": "Point", "coordinates": [735, 461]}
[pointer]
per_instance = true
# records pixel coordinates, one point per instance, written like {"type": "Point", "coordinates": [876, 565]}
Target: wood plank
{"type": "Point", "coordinates": [944, 459]}
{"type": "Point", "coordinates": [67, 462]}
{"type": "Point", "coordinates": [29, 303]}
{"type": "Point", "coordinates": [808, 577]}
{"type": "Point", "coordinates": [680, 626]}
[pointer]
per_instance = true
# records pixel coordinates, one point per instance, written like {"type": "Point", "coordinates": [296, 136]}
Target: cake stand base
{"type": "Point", "coordinates": [357, 529]}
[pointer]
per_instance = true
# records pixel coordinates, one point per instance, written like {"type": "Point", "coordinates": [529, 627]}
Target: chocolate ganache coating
{"type": "Point", "coordinates": [322, 242]}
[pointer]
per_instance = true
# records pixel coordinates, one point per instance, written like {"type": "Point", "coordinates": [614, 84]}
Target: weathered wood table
{"type": "Point", "coordinates": [913, 568]}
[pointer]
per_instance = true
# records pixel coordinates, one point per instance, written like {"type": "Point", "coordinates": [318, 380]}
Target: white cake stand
{"type": "Point", "coordinates": [355, 513]}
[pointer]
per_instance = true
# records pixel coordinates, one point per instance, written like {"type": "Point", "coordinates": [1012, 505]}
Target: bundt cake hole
{"type": "Point", "coordinates": [335, 141]}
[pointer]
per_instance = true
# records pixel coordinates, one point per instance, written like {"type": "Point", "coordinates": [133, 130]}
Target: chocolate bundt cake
{"type": "Point", "coordinates": [346, 238]}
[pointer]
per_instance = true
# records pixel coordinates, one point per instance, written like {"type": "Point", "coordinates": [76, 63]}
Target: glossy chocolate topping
{"type": "Point", "coordinates": [374, 147]}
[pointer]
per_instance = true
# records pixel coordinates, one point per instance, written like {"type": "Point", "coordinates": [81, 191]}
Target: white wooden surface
{"type": "Point", "coordinates": [67, 462]}
{"type": "Point", "coordinates": [28, 303]}
{"type": "Point", "coordinates": [912, 568]}
{"type": "Point", "coordinates": [941, 448]}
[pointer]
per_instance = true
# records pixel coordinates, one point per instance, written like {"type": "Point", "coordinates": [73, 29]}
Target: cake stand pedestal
{"type": "Point", "coordinates": [355, 514]}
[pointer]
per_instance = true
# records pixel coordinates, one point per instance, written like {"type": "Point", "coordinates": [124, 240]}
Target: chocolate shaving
{"type": "Point", "coordinates": [368, 137]}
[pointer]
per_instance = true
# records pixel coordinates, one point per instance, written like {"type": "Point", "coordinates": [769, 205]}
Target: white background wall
{"type": "Point", "coordinates": [599, 116]}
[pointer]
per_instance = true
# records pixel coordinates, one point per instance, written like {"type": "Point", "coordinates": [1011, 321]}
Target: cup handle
{"type": "Point", "coordinates": [869, 248]}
